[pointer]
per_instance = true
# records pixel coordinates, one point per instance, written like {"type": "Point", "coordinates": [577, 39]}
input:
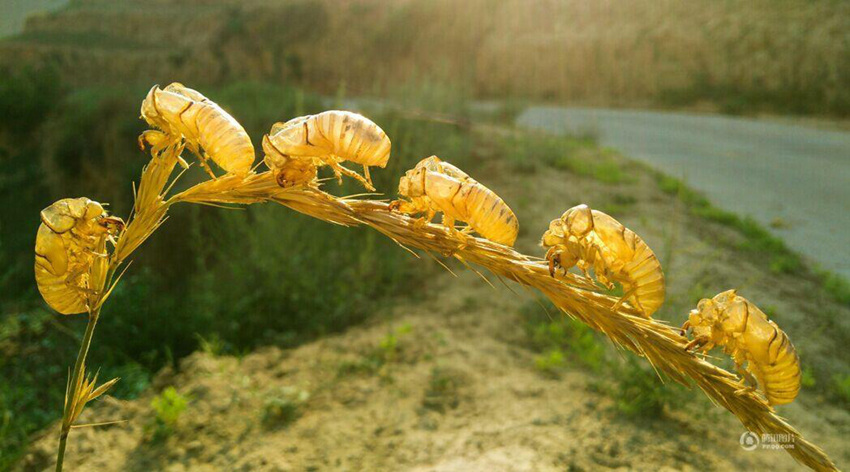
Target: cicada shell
{"type": "Point", "coordinates": [435, 186]}
{"type": "Point", "coordinates": [744, 332]}
{"type": "Point", "coordinates": [590, 238]}
{"type": "Point", "coordinates": [178, 112]}
{"type": "Point", "coordinates": [70, 253]}
{"type": "Point", "coordinates": [296, 148]}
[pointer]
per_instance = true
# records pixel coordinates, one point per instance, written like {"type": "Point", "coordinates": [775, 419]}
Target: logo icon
{"type": "Point", "coordinates": [749, 441]}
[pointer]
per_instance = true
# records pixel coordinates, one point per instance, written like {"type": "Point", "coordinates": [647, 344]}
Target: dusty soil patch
{"type": "Point", "coordinates": [446, 381]}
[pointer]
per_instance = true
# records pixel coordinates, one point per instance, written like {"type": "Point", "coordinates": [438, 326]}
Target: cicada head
{"type": "Point", "coordinates": [274, 159]}
{"type": "Point", "coordinates": [578, 220]}
{"type": "Point", "coordinates": [112, 224]}
{"type": "Point", "coordinates": [149, 111]}
{"type": "Point", "coordinates": [63, 215]}
{"type": "Point", "coordinates": [554, 235]}
{"type": "Point", "coordinates": [163, 106]}
{"type": "Point", "coordinates": [707, 318]}
{"type": "Point", "coordinates": [412, 184]}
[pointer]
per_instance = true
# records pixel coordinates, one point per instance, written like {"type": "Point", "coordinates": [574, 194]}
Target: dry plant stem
{"type": "Point", "coordinates": [660, 344]}
{"type": "Point", "coordinates": [75, 378]}
{"type": "Point", "coordinates": [148, 214]}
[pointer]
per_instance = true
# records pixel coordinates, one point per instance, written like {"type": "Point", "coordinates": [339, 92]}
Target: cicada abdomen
{"type": "Point", "coordinates": [744, 332]}
{"type": "Point", "coordinates": [70, 255]}
{"type": "Point", "coordinates": [294, 149]}
{"type": "Point", "coordinates": [435, 186]}
{"type": "Point", "coordinates": [210, 132]}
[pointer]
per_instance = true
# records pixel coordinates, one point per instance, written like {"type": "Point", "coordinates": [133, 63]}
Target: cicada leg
{"type": "Point", "coordinates": [625, 297]}
{"type": "Point", "coordinates": [207, 167]}
{"type": "Point", "coordinates": [685, 327]}
{"type": "Point", "coordinates": [699, 343]}
{"type": "Point", "coordinates": [422, 222]}
{"type": "Point", "coordinates": [449, 222]}
{"type": "Point", "coordinates": [367, 176]}
{"type": "Point", "coordinates": [340, 170]}
{"type": "Point", "coordinates": [584, 267]}
{"type": "Point", "coordinates": [552, 257]}
{"type": "Point", "coordinates": [749, 382]}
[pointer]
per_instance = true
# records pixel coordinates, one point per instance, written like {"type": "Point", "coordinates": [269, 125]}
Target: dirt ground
{"type": "Point", "coordinates": [456, 388]}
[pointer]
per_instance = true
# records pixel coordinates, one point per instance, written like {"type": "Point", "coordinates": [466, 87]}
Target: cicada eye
{"type": "Point", "coordinates": [556, 228]}
{"type": "Point", "coordinates": [93, 210]}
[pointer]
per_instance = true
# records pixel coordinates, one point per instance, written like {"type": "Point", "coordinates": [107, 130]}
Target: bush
{"type": "Point", "coordinates": [27, 96]}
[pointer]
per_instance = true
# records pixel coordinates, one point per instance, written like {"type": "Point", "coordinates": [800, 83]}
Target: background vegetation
{"type": "Point", "coordinates": [732, 56]}
{"type": "Point", "coordinates": [69, 98]}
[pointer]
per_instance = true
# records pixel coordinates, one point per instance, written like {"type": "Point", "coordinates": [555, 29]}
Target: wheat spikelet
{"type": "Point", "coordinates": [662, 346]}
{"type": "Point", "coordinates": [150, 206]}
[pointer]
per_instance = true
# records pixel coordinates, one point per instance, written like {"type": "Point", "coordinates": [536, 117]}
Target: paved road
{"type": "Point", "coordinates": [766, 170]}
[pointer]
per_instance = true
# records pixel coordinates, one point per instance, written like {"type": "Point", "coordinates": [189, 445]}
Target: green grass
{"type": "Point", "coordinates": [168, 408]}
{"type": "Point", "coordinates": [841, 387]}
{"type": "Point", "coordinates": [639, 392]}
{"type": "Point", "coordinates": [283, 406]}
{"type": "Point", "coordinates": [222, 281]}
{"type": "Point", "coordinates": [756, 239]}
{"type": "Point", "coordinates": [579, 155]}
{"type": "Point", "coordinates": [561, 340]}
{"type": "Point", "coordinates": [563, 343]}
{"type": "Point", "coordinates": [443, 392]}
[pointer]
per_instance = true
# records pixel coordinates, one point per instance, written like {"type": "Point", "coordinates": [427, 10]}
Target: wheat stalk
{"type": "Point", "coordinates": [575, 295]}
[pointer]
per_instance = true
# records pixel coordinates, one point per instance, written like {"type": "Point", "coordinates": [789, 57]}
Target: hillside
{"type": "Point", "coordinates": [456, 376]}
{"type": "Point", "coordinates": [729, 56]}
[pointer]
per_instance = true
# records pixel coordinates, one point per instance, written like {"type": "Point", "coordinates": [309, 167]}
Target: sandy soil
{"type": "Point", "coordinates": [460, 391]}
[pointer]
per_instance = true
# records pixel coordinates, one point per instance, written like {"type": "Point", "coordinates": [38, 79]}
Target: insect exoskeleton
{"type": "Point", "coordinates": [296, 148]}
{"type": "Point", "coordinates": [743, 330]}
{"type": "Point", "coordinates": [436, 186]}
{"type": "Point", "coordinates": [72, 234]}
{"type": "Point", "coordinates": [589, 238]}
{"type": "Point", "coordinates": [210, 132]}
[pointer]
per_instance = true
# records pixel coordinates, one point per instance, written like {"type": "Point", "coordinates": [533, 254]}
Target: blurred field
{"type": "Point", "coordinates": [290, 280]}
{"type": "Point", "coordinates": [735, 56]}
{"type": "Point", "coordinates": [454, 374]}
{"type": "Point", "coordinates": [227, 283]}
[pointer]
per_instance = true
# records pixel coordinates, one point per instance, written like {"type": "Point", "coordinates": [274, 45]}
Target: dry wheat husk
{"type": "Point", "coordinates": [655, 340]}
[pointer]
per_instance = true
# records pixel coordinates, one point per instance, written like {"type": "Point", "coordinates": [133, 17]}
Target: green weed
{"type": "Point", "coordinates": [841, 387]}
{"type": "Point", "coordinates": [168, 407]}
{"type": "Point", "coordinates": [837, 286]}
{"type": "Point", "coordinates": [641, 393]}
{"type": "Point", "coordinates": [808, 378]}
{"type": "Point", "coordinates": [592, 165]}
{"type": "Point", "coordinates": [283, 406]}
{"type": "Point", "coordinates": [550, 363]}
{"type": "Point", "coordinates": [756, 239]}
{"type": "Point", "coordinates": [563, 338]}
{"type": "Point", "coordinates": [443, 392]}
